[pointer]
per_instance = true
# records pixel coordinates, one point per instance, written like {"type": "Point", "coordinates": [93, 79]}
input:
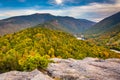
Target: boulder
{"type": "Point", "coordinates": [86, 69]}
{"type": "Point", "coordinates": [16, 75]}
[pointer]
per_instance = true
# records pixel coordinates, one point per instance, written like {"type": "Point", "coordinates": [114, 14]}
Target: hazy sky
{"type": "Point", "coordinates": [94, 10]}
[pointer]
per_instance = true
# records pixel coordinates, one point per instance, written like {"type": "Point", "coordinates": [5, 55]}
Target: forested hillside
{"type": "Point", "coordinates": [106, 32]}
{"type": "Point", "coordinates": [110, 38]}
{"type": "Point", "coordinates": [31, 48]}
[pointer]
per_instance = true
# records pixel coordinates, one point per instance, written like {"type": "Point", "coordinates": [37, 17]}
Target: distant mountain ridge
{"type": "Point", "coordinates": [105, 25]}
{"type": "Point", "coordinates": [107, 32]}
{"type": "Point", "coordinates": [17, 23]}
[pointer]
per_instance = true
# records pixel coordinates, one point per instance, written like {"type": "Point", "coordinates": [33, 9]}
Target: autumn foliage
{"type": "Point", "coordinates": [31, 48]}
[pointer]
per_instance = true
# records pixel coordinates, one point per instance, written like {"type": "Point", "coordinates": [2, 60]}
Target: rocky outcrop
{"type": "Point", "coordinates": [16, 75]}
{"type": "Point", "coordinates": [86, 69]}
{"type": "Point", "coordinates": [71, 69]}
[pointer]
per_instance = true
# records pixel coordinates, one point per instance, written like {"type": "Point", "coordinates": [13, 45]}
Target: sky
{"type": "Point", "coordinates": [94, 10]}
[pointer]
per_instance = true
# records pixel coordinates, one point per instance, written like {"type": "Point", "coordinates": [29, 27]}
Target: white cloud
{"type": "Point", "coordinates": [59, 1]}
{"type": "Point", "coordinates": [93, 11]}
{"type": "Point", "coordinates": [9, 13]}
{"type": "Point", "coordinates": [56, 2]}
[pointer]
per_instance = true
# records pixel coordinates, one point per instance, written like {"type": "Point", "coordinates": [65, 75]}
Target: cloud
{"type": "Point", "coordinates": [79, 2]}
{"type": "Point", "coordinates": [93, 11]}
{"type": "Point", "coordinates": [56, 2]}
{"type": "Point", "coordinates": [59, 1]}
{"type": "Point", "coordinates": [9, 13]}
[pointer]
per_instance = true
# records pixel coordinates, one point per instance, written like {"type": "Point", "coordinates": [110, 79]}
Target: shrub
{"type": "Point", "coordinates": [32, 62]}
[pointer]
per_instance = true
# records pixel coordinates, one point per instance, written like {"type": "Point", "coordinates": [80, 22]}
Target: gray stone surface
{"type": "Point", "coordinates": [71, 69]}
{"type": "Point", "coordinates": [16, 75]}
{"type": "Point", "coordinates": [86, 69]}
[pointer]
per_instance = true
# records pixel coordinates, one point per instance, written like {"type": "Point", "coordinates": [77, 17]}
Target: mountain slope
{"type": "Point", "coordinates": [24, 49]}
{"type": "Point", "coordinates": [111, 38]}
{"type": "Point", "coordinates": [17, 23]}
{"type": "Point", "coordinates": [63, 26]}
{"type": "Point", "coordinates": [54, 25]}
{"type": "Point", "coordinates": [114, 42]}
{"type": "Point", "coordinates": [107, 32]}
{"type": "Point", "coordinates": [104, 26]}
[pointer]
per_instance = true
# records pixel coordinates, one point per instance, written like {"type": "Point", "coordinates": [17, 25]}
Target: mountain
{"type": "Point", "coordinates": [17, 23]}
{"type": "Point", "coordinates": [31, 48]}
{"type": "Point", "coordinates": [64, 26]}
{"type": "Point", "coordinates": [114, 39]}
{"type": "Point", "coordinates": [107, 32]}
{"type": "Point", "coordinates": [111, 38]}
{"type": "Point", "coordinates": [54, 25]}
{"type": "Point", "coordinates": [104, 26]}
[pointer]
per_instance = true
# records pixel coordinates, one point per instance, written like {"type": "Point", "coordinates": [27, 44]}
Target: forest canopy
{"type": "Point", "coordinates": [31, 48]}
